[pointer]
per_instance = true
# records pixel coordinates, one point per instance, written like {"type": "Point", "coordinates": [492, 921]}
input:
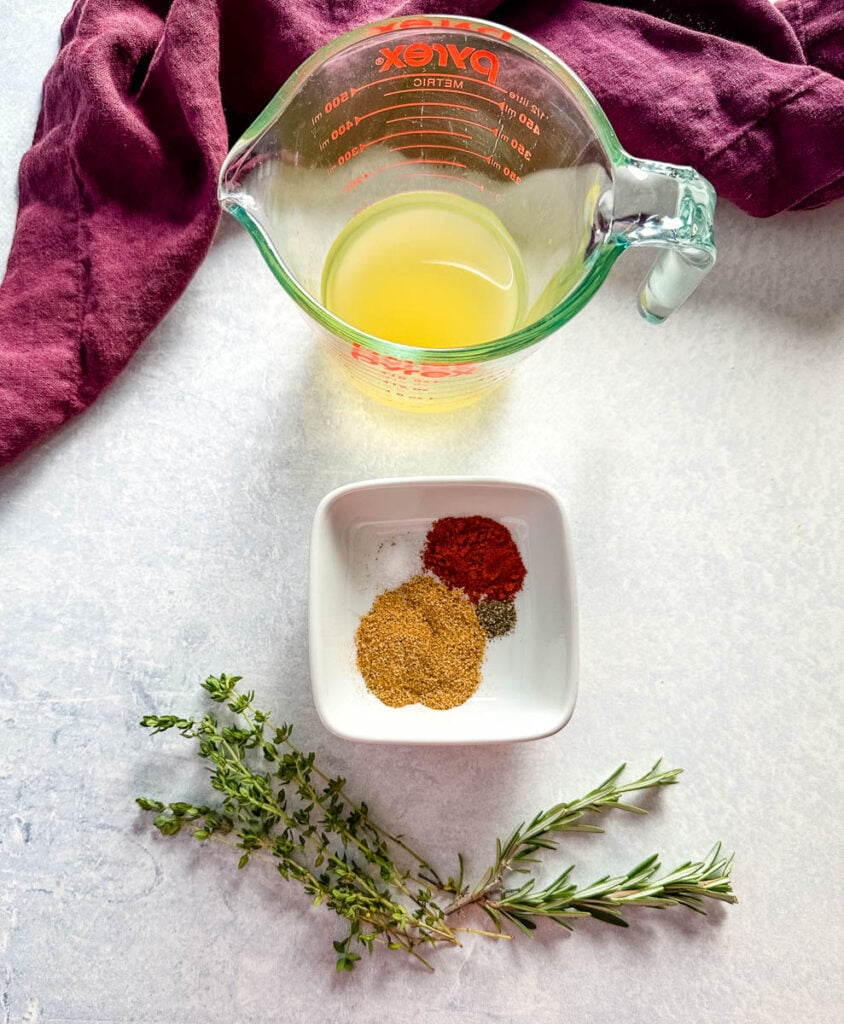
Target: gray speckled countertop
{"type": "Point", "coordinates": [163, 536]}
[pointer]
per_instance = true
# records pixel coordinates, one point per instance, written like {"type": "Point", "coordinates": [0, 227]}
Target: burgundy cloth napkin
{"type": "Point", "coordinates": [117, 194]}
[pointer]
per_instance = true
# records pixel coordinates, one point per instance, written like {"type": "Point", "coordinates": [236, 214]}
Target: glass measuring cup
{"type": "Point", "coordinates": [447, 112]}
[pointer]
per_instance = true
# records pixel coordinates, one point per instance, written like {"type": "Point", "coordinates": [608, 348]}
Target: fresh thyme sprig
{"type": "Point", "coordinates": [278, 805]}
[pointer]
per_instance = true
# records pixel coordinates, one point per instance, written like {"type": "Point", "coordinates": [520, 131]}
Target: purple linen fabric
{"type": "Point", "coordinates": [117, 200]}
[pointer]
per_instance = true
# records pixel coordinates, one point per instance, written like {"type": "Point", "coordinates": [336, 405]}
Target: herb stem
{"type": "Point", "coordinates": [315, 835]}
{"type": "Point", "coordinates": [308, 791]}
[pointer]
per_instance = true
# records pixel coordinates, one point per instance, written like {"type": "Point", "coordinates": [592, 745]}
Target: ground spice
{"type": "Point", "coordinates": [497, 618]}
{"type": "Point", "coordinates": [475, 554]}
{"type": "Point", "coordinates": [421, 643]}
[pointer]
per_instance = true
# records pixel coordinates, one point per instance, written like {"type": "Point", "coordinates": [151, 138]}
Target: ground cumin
{"type": "Point", "coordinates": [421, 643]}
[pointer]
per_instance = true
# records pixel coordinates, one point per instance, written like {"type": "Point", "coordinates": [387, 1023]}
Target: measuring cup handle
{"type": "Point", "coordinates": [672, 208]}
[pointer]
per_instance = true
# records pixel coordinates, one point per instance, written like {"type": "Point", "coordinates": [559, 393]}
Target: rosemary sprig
{"type": "Point", "coordinates": [525, 841]}
{"type": "Point", "coordinates": [561, 900]}
{"type": "Point", "coordinates": [278, 805]}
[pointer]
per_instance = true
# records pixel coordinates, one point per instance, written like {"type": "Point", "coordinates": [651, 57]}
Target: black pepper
{"type": "Point", "coordinates": [497, 618]}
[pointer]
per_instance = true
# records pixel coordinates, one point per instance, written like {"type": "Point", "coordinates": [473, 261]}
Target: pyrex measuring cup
{"type": "Point", "coordinates": [445, 112]}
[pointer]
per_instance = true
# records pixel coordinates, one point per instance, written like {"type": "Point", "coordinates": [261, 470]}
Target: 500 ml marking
{"type": "Point", "coordinates": [332, 104]}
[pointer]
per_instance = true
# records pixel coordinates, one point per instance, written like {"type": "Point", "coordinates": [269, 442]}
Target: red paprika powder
{"type": "Point", "coordinates": [476, 554]}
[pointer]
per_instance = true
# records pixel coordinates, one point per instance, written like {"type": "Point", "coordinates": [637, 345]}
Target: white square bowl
{"type": "Point", "coordinates": [368, 537]}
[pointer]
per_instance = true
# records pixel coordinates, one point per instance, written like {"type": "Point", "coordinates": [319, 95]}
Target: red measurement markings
{"type": "Point", "coordinates": [438, 145]}
{"type": "Point", "coordinates": [416, 174]}
{"type": "Point", "coordinates": [442, 117]}
{"type": "Point", "coordinates": [357, 150]}
{"type": "Point", "coordinates": [417, 131]}
{"type": "Point", "coordinates": [399, 106]}
{"type": "Point", "coordinates": [403, 163]}
{"type": "Point", "coordinates": [451, 177]}
{"type": "Point", "coordinates": [355, 89]}
{"type": "Point", "coordinates": [406, 163]}
{"type": "Point", "coordinates": [471, 95]}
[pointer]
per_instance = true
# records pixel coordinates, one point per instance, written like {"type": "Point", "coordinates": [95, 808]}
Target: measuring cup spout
{"type": "Point", "coordinates": [231, 193]}
{"type": "Point", "coordinates": [672, 208]}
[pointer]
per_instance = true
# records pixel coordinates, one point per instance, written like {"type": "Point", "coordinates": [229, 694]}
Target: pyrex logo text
{"type": "Point", "coordinates": [420, 55]}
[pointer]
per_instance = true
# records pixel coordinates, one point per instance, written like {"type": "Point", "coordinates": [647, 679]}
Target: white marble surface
{"type": "Point", "coordinates": [163, 536]}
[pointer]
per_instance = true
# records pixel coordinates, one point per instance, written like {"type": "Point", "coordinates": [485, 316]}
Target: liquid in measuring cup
{"type": "Point", "coordinates": [427, 269]}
